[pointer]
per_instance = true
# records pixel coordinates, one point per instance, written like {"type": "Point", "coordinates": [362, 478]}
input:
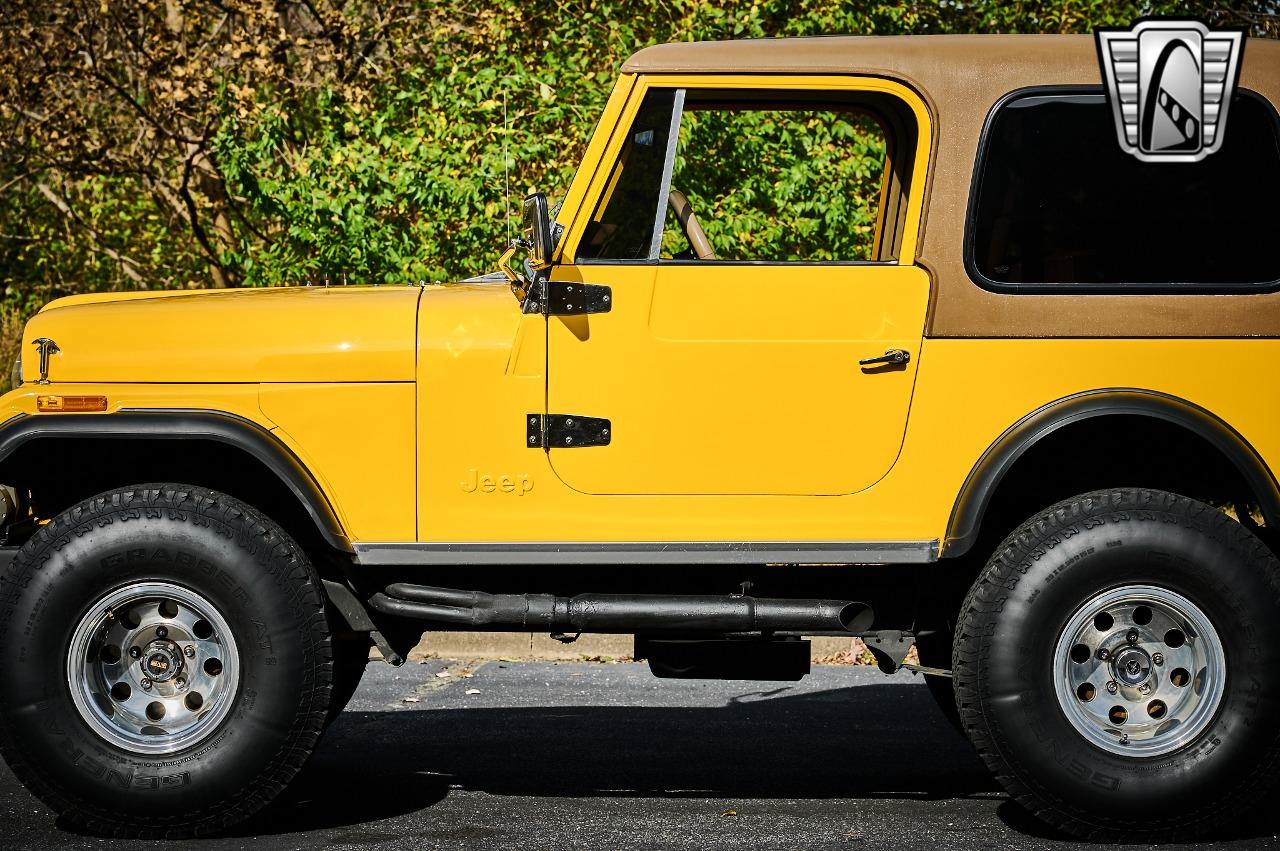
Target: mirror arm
{"type": "Point", "coordinates": [520, 285]}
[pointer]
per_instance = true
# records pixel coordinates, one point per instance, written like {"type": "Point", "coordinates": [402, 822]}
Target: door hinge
{"type": "Point", "coordinates": [565, 431]}
{"type": "Point", "coordinates": [560, 298]}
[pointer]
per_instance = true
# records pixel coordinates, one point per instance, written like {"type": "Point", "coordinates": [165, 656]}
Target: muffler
{"type": "Point", "coordinates": [619, 613]}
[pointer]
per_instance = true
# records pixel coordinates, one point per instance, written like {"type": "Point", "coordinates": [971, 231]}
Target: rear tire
{"type": "Point", "coordinates": [935, 652]}
{"type": "Point", "coordinates": [111, 617]}
{"type": "Point", "coordinates": [1086, 596]}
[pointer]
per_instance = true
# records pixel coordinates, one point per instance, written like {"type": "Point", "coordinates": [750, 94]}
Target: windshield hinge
{"type": "Point", "coordinates": [561, 298]}
{"type": "Point", "coordinates": [565, 431]}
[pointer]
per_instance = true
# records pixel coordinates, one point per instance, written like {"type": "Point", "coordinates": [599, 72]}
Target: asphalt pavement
{"type": "Point", "coordinates": [565, 756]}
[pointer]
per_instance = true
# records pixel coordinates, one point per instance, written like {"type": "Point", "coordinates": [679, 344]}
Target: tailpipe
{"type": "Point", "coordinates": [619, 613]}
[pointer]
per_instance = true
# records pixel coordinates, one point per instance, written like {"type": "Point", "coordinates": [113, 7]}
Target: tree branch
{"type": "Point", "coordinates": [127, 265]}
{"type": "Point", "coordinates": [197, 229]}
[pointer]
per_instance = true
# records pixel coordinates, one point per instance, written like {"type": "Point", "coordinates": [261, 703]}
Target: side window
{"type": "Point", "coordinates": [625, 218]}
{"type": "Point", "coordinates": [757, 176]}
{"type": "Point", "coordinates": [768, 184]}
{"type": "Point", "coordinates": [1058, 205]}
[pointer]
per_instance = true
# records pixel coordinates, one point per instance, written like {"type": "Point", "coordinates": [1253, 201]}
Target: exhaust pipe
{"type": "Point", "coordinates": [620, 613]}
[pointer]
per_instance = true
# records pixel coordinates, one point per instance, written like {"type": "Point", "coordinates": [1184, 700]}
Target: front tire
{"type": "Point", "coordinates": [1117, 666]}
{"type": "Point", "coordinates": [350, 659]}
{"type": "Point", "coordinates": [165, 663]}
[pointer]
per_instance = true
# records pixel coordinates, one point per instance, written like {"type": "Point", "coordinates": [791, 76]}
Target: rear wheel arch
{"type": "Point", "coordinates": [1080, 434]}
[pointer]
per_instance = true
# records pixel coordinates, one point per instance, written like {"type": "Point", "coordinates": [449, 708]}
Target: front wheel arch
{"type": "Point", "coordinates": [213, 449]}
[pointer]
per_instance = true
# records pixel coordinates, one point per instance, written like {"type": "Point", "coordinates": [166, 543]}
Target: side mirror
{"type": "Point", "coordinates": [535, 230]}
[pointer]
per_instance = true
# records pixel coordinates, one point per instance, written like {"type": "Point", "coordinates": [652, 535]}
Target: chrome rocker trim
{"type": "Point", "coordinates": [648, 552]}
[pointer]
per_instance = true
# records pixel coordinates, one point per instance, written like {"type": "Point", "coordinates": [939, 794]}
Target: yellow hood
{"type": "Point", "coordinates": [297, 334]}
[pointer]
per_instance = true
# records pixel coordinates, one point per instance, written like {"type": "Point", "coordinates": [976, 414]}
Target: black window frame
{"type": "Point", "coordinates": [911, 141]}
{"type": "Point", "coordinates": [1060, 288]}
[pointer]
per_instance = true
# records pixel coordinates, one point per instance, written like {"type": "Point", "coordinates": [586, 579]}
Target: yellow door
{"type": "Point", "coordinates": [738, 383]}
{"type": "Point", "coordinates": [728, 362]}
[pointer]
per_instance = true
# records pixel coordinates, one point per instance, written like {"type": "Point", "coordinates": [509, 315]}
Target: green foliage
{"type": "Point", "coordinates": [285, 141]}
{"type": "Point", "coordinates": [100, 233]}
{"type": "Point", "coordinates": [411, 183]}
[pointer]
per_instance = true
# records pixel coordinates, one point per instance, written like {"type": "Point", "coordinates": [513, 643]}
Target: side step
{"type": "Point", "coordinates": [619, 613]}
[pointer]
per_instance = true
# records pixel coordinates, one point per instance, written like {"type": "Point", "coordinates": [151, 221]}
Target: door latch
{"type": "Point", "coordinates": [893, 356]}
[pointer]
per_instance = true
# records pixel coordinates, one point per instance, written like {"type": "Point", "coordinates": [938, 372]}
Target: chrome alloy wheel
{"type": "Point", "coordinates": [1139, 671]}
{"type": "Point", "coordinates": [153, 668]}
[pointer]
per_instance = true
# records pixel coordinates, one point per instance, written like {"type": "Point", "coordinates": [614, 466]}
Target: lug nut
{"type": "Point", "coordinates": [1144, 689]}
{"type": "Point", "coordinates": [1112, 688]}
{"type": "Point", "coordinates": [1104, 654]}
{"type": "Point", "coordinates": [162, 632]}
{"type": "Point", "coordinates": [1158, 658]}
{"type": "Point", "coordinates": [146, 684]}
{"type": "Point", "coordinates": [189, 652]}
{"type": "Point", "coordinates": [1131, 636]}
{"type": "Point", "coordinates": [1124, 738]}
{"type": "Point", "coordinates": [180, 682]}
{"type": "Point", "coordinates": [135, 653]}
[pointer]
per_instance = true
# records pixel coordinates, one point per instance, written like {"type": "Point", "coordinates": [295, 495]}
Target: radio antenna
{"type": "Point", "coordinates": [506, 163]}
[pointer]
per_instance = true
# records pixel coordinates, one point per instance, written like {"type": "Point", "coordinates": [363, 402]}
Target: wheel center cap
{"type": "Point", "coordinates": [161, 663]}
{"type": "Point", "coordinates": [1132, 666]}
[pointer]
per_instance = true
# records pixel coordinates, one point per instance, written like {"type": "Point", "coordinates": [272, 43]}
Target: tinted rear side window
{"type": "Point", "coordinates": [1058, 205]}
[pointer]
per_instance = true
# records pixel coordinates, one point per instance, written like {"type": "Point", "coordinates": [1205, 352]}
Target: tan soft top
{"type": "Point", "coordinates": [894, 55]}
{"type": "Point", "coordinates": [961, 77]}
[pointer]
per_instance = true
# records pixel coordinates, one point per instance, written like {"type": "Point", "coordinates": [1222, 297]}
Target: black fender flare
{"type": "Point", "coordinates": [183, 424]}
{"type": "Point", "coordinates": [986, 475]}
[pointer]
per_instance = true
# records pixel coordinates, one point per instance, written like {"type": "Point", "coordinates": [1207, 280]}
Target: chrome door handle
{"type": "Point", "coordinates": [890, 356]}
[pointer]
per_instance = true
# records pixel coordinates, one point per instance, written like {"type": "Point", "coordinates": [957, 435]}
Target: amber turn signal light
{"type": "Point", "coordinates": [71, 404]}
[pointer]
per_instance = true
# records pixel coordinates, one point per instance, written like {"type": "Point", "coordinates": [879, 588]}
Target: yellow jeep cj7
{"type": "Point", "coordinates": [1023, 414]}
